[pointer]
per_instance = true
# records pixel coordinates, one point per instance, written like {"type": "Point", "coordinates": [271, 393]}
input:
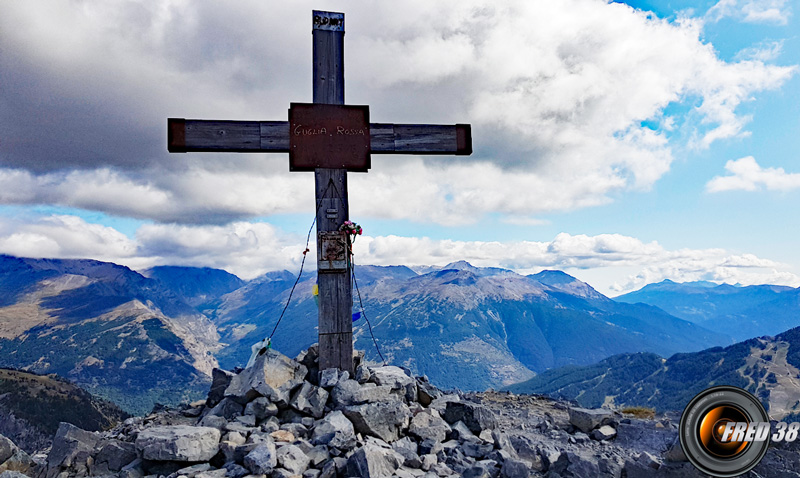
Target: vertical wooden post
{"type": "Point", "coordinates": [335, 290]}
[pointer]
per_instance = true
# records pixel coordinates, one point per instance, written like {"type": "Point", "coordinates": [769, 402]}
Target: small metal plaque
{"type": "Point", "coordinates": [329, 136]}
{"type": "Point", "coordinates": [329, 21]}
{"type": "Point", "coordinates": [332, 251]}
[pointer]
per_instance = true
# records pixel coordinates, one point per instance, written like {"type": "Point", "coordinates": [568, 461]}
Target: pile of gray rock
{"type": "Point", "coordinates": [283, 418]}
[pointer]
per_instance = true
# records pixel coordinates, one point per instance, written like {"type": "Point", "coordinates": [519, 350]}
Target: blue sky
{"type": "Point", "coordinates": [620, 146]}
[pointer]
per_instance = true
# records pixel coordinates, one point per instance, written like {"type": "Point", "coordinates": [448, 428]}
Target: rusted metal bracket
{"type": "Point", "coordinates": [332, 251]}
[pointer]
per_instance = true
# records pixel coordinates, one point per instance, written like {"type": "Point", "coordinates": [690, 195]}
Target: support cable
{"type": "Point", "coordinates": [361, 304]}
{"type": "Point", "coordinates": [302, 263]}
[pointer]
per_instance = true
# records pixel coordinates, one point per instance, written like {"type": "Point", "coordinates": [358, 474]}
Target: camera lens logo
{"type": "Point", "coordinates": [724, 431]}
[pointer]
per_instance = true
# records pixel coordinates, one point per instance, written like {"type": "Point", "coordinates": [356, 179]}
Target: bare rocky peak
{"type": "Point", "coordinates": [464, 287]}
{"type": "Point", "coordinates": [564, 282]}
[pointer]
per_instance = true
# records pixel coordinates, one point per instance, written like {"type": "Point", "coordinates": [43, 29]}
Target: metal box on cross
{"type": "Point", "coordinates": [329, 136]}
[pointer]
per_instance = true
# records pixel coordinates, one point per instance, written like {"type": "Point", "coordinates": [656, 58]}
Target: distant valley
{"type": "Point", "coordinates": [768, 367]}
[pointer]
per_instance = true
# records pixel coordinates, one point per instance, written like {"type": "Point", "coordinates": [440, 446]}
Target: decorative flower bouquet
{"type": "Point", "coordinates": [352, 229]}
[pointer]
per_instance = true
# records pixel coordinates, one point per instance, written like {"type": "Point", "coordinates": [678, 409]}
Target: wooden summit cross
{"type": "Point", "coordinates": [328, 138]}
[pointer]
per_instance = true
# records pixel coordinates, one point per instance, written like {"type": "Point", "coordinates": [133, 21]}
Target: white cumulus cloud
{"type": "Point", "coordinates": [242, 248]}
{"type": "Point", "coordinates": [557, 93]}
{"type": "Point", "coordinates": [64, 236]}
{"type": "Point", "coordinates": [251, 249]}
{"type": "Point", "coordinates": [610, 256]}
{"type": "Point", "coordinates": [747, 175]}
{"type": "Point", "coordinates": [194, 195]}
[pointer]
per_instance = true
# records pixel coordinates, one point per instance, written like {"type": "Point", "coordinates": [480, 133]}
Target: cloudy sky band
{"type": "Point", "coordinates": [579, 108]}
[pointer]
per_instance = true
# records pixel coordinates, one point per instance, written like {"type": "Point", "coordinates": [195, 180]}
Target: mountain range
{"type": "Point", "coordinates": [142, 338]}
{"type": "Point", "coordinates": [138, 338]}
{"type": "Point", "coordinates": [743, 312]}
{"type": "Point", "coordinates": [111, 330]}
{"type": "Point", "coordinates": [462, 326]}
{"type": "Point", "coordinates": [768, 367]}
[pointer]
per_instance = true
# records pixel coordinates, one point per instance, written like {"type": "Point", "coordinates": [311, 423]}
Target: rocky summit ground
{"type": "Point", "coordinates": [283, 418]}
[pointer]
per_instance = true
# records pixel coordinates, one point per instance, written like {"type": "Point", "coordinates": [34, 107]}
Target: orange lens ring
{"type": "Point", "coordinates": [709, 431]}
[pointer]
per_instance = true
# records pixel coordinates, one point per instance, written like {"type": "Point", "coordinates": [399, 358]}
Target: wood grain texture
{"type": "Point", "coordinates": [381, 137]}
{"type": "Point", "coordinates": [425, 139]}
{"type": "Point", "coordinates": [225, 135]}
{"type": "Point", "coordinates": [335, 291]}
{"type": "Point", "coordinates": [274, 136]}
{"type": "Point", "coordinates": [191, 135]}
{"type": "Point", "coordinates": [336, 351]}
{"type": "Point", "coordinates": [328, 67]}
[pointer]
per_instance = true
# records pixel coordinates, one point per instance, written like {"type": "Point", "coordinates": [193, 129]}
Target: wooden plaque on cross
{"type": "Point", "coordinates": [328, 138]}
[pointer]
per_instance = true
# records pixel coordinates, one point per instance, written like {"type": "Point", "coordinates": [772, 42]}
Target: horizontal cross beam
{"type": "Point", "coordinates": [273, 137]}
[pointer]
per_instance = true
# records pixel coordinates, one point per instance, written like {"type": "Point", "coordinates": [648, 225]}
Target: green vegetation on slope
{"type": "Point", "coordinates": [645, 379]}
{"type": "Point", "coordinates": [44, 401]}
{"type": "Point", "coordinates": [134, 363]}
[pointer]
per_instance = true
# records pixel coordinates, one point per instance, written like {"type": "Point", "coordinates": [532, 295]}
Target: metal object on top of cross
{"type": "Point", "coordinates": [329, 138]}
